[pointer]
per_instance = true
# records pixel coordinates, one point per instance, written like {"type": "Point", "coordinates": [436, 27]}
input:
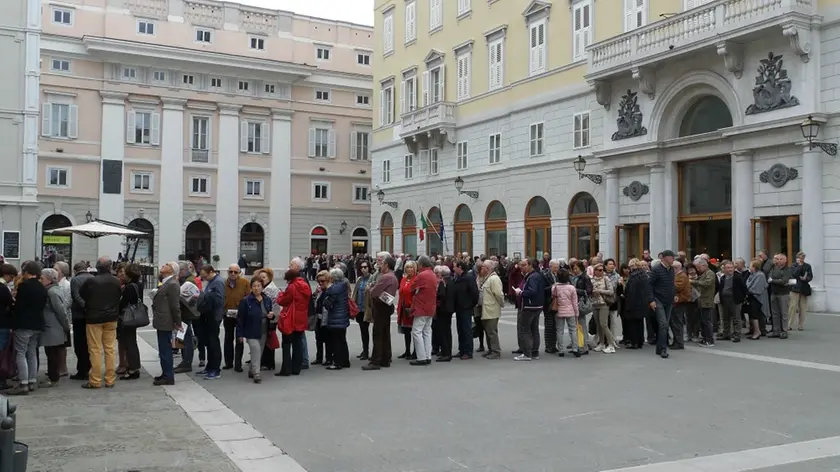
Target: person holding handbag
{"type": "Point", "coordinates": [132, 293]}
{"type": "Point", "coordinates": [295, 318]}
{"type": "Point", "coordinates": [603, 293]}
{"type": "Point", "coordinates": [252, 320]}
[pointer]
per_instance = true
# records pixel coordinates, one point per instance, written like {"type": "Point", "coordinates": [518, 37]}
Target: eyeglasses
{"type": "Point", "coordinates": [234, 271]}
{"type": "Point", "coordinates": [599, 270]}
{"type": "Point", "coordinates": [365, 267]}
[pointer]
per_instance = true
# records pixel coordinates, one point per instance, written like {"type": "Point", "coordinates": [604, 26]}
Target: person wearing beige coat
{"type": "Point", "coordinates": [492, 300]}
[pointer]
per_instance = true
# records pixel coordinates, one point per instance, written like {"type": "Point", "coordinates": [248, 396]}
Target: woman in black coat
{"type": "Point", "coordinates": [132, 294]}
{"type": "Point", "coordinates": [636, 298]}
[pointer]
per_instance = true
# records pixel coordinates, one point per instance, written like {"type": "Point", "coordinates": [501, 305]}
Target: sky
{"type": "Point", "coordinates": [354, 11]}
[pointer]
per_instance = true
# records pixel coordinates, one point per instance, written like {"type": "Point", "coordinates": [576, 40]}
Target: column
{"type": "Point", "coordinates": [171, 223]}
{"type": "Point", "coordinates": [559, 237]}
{"type": "Point", "coordinates": [813, 225]}
{"type": "Point", "coordinates": [658, 218]}
{"type": "Point", "coordinates": [398, 240]}
{"type": "Point", "coordinates": [672, 202]}
{"type": "Point", "coordinates": [516, 237]}
{"type": "Point", "coordinates": [227, 189]}
{"type": "Point", "coordinates": [611, 220]}
{"type": "Point", "coordinates": [112, 196]}
{"type": "Point", "coordinates": [479, 233]}
{"type": "Point", "coordinates": [742, 208]}
{"type": "Point", "coordinates": [280, 211]}
{"type": "Point", "coordinates": [375, 243]}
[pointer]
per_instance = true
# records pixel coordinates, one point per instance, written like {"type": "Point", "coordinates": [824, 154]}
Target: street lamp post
{"type": "Point", "coordinates": [580, 165]}
{"type": "Point", "coordinates": [459, 185]}
{"type": "Point", "coordinates": [381, 196]}
{"type": "Point", "coordinates": [810, 130]}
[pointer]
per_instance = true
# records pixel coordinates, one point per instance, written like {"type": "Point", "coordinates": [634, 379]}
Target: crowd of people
{"type": "Point", "coordinates": [586, 305]}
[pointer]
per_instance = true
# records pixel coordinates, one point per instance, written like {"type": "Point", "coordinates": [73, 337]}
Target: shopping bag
{"type": "Point", "coordinates": [581, 338]}
{"type": "Point", "coordinates": [272, 342]}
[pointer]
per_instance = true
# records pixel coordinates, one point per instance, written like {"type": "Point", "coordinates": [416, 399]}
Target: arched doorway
{"type": "Point", "coordinates": [142, 249]}
{"type": "Point", "coordinates": [386, 232]}
{"type": "Point", "coordinates": [56, 246]}
{"type": "Point", "coordinates": [409, 233]}
{"type": "Point", "coordinates": [197, 241]}
{"type": "Point", "coordinates": [252, 246]}
{"type": "Point", "coordinates": [709, 113]}
{"type": "Point", "coordinates": [434, 245]}
{"type": "Point", "coordinates": [360, 241]}
{"type": "Point", "coordinates": [319, 240]}
{"type": "Point", "coordinates": [583, 226]}
{"type": "Point", "coordinates": [495, 225]}
{"type": "Point", "coordinates": [463, 230]}
{"type": "Point", "coordinates": [537, 228]}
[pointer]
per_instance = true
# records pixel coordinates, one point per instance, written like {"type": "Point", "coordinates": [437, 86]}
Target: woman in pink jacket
{"type": "Point", "coordinates": [564, 298]}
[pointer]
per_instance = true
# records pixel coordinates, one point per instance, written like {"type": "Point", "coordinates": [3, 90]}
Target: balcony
{"type": "Point", "coordinates": [723, 24]}
{"type": "Point", "coordinates": [429, 127]}
{"type": "Point", "coordinates": [200, 155]}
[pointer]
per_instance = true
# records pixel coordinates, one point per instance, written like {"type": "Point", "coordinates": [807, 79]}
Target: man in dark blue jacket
{"type": "Point", "coordinates": [662, 285]}
{"type": "Point", "coordinates": [211, 308]}
{"type": "Point", "coordinates": [531, 302]}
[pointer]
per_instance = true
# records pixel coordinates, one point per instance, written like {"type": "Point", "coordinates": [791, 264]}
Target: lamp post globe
{"type": "Point", "coordinates": [580, 164]}
{"type": "Point", "coordinates": [459, 183]}
{"type": "Point", "coordinates": [810, 128]}
{"type": "Point", "coordinates": [380, 195]}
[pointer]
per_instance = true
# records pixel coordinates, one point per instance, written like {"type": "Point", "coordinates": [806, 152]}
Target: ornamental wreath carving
{"type": "Point", "coordinates": [635, 190]}
{"type": "Point", "coordinates": [629, 118]}
{"type": "Point", "coordinates": [772, 87]}
{"type": "Point", "coordinates": [778, 175]}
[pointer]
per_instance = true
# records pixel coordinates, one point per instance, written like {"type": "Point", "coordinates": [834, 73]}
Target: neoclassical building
{"type": "Point", "coordinates": [684, 133]}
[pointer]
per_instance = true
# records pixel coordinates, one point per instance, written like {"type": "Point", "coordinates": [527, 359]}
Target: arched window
{"type": "Point", "coordinates": [537, 228]}
{"type": "Point", "coordinates": [319, 239]}
{"type": "Point", "coordinates": [707, 114]}
{"type": "Point", "coordinates": [386, 233]}
{"type": "Point", "coordinates": [495, 226]}
{"type": "Point", "coordinates": [360, 241]}
{"type": "Point", "coordinates": [57, 244]}
{"type": "Point", "coordinates": [583, 226]}
{"type": "Point", "coordinates": [409, 233]}
{"type": "Point", "coordinates": [434, 245]}
{"type": "Point", "coordinates": [197, 241]}
{"type": "Point", "coordinates": [251, 245]}
{"type": "Point", "coordinates": [141, 248]}
{"type": "Point", "coordinates": [464, 230]}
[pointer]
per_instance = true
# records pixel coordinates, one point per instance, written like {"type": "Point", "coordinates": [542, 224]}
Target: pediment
{"type": "Point", "coordinates": [434, 54]}
{"type": "Point", "coordinates": [536, 6]}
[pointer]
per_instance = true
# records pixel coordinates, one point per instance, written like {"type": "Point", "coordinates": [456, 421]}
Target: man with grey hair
{"type": "Point", "coordinates": [63, 271]}
{"type": "Point", "coordinates": [77, 312]}
{"type": "Point", "coordinates": [166, 319]}
{"type": "Point", "coordinates": [101, 294]}
{"type": "Point", "coordinates": [386, 283]}
{"type": "Point", "coordinates": [236, 288]}
{"type": "Point", "coordinates": [705, 283]}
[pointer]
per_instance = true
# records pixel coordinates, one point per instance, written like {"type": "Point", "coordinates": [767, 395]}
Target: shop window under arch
{"type": "Point", "coordinates": [386, 232]}
{"type": "Point", "coordinates": [464, 230]}
{"type": "Point", "coordinates": [583, 226]}
{"type": "Point", "coordinates": [709, 113]}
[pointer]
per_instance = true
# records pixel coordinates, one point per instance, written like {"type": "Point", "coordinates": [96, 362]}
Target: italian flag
{"type": "Point", "coordinates": [423, 225]}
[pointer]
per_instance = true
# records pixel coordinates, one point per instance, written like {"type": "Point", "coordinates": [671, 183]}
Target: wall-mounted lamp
{"type": "Point", "coordinates": [580, 165]}
{"type": "Point", "coordinates": [89, 216]}
{"type": "Point", "coordinates": [459, 185]}
{"type": "Point", "coordinates": [381, 196]}
{"type": "Point", "coordinates": [810, 130]}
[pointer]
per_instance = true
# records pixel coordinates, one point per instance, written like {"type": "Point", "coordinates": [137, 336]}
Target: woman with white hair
{"type": "Point", "coordinates": [56, 327]}
{"type": "Point", "coordinates": [337, 319]}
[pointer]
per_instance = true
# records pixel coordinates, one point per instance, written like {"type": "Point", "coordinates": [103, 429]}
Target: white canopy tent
{"type": "Point", "coordinates": [99, 228]}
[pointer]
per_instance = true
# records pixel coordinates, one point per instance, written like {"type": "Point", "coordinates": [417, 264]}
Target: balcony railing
{"type": "Point", "coordinates": [200, 155]}
{"type": "Point", "coordinates": [430, 116]}
{"type": "Point", "coordinates": [716, 21]}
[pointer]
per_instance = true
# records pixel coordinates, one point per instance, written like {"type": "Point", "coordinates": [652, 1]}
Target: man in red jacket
{"type": "Point", "coordinates": [295, 318]}
{"type": "Point", "coordinates": [423, 307]}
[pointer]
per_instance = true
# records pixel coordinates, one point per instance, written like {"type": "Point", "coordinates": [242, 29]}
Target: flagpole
{"type": "Point", "coordinates": [445, 245]}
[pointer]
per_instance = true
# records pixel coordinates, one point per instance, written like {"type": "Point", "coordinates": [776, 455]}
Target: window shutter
{"type": "Point", "coordinates": [689, 4]}
{"type": "Point", "coordinates": [467, 71]}
{"type": "Point", "coordinates": [641, 13]}
{"type": "Point", "coordinates": [130, 120]}
{"type": "Point", "coordinates": [264, 138]}
{"type": "Point", "coordinates": [426, 78]}
{"type": "Point", "coordinates": [402, 98]}
{"type": "Point", "coordinates": [73, 122]}
{"type": "Point", "coordinates": [577, 38]}
{"type": "Point", "coordinates": [311, 142]}
{"type": "Point", "coordinates": [243, 136]}
{"type": "Point", "coordinates": [46, 119]}
{"type": "Point", "coordinates": [381, 115]}
{"type": "Point", "coordinates": [155, 130]}
{"type": "Point", "coordinates": [331, 138]}
{"type": "Point", "coordinates": [492, 67]}
{"type": "Point", "coordinates": [587, 28]}
{"type": "Point", "coordinates": [354, 136]}
{"type": "Point", "coordinates": [500, 64]}
{"type": "Point", "coordinates": [533, 50]}
{"type": "Point", "coordinates": [442, 84]}
{"type": "Point", "coordinates": [541, 48]}
{"type": "Point", "coordinates": [629, 15]}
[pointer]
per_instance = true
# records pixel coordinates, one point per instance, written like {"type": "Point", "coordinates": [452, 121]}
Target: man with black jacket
{"type": "Point", "coordinates": [531, 300]}
{"type": "Point", "coordinates": [661, 279]}
{"type": "Point", "coordinates": [77, 310]}
{"type": "Point", "coordinates": [8, 273]}
{"type": "Point", "coordinates": [28, 323]}
{"type": "Point", "coordinates": [465, 298]}
{"type": "Point", "coordinates": [732, 290]}
{"type": "Point", "coordinates": [211, 306]}
{"type": "Point", "coordinates": [101, 295]}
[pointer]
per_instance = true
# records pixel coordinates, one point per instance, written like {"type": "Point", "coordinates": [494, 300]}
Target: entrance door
{"type": "Point", "coordinates": [705, 207]}
{"type": "Point", "coordinates": [197, 241]}
{"type": "Point", "coordinates": [777, 234]}
{"type": "Point", "coordinates": [631, 240]}
{"type": "Point", "coordinates": [712, 237]}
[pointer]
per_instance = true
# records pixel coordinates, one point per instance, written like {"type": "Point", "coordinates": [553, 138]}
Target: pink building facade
{"type": "Point", "coordinates": [217, 128]}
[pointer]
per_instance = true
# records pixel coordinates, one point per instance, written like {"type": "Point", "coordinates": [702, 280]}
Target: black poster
{"type": "Point", "coordinates": [11, 245]}
{"type": "Point", "coordinates": [112, 176]}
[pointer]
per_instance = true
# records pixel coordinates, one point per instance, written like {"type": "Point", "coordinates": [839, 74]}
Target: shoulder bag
{"type": "Point", "coordinates": [135, 315]}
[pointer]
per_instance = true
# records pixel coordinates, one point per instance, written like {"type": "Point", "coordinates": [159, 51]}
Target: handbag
{"type": "Point", "coordinates": [352, 307]}
{"type": "Point", "coordinates": [271, 341]}
{"type": "Point", "coordinates": [286, 323]}
{"type": "Point", "coordinates": [584, 305]}
{"type": "Point", "coordinates": [593, 326]}
{"type": "Point", "coordinates": [136, 315]}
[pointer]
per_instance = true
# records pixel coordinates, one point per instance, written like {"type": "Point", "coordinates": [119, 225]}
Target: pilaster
{"type": "Point", "coordinates": [658, 217]}
{"type": "Point", "coordinates": [743, 206]}
{"type": "Point", "coordinates": [398, 240]}
{"type": "Point", "coordinates": [171, 238]}
{"type": "Point", "coordinates": [813, 236]}
{"type": "Point", "coordinates": [607, 237]}
{"type": "Point", "coordinates": [479, 234]}
{"type": "Point", "coordinates": [112, 150]}
{"type": "Point", "coordinates": [280, 211]}
{"type": "Point", "coordinates": [559, 237]}
{"type": "Point", "coordinates": [516, 237]}
{"type": "Point", "coordinates": [227, 188]}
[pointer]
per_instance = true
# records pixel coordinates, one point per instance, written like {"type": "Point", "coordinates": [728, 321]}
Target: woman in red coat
{"type": "Point", "coordinates": [294, 319]}
{"type": "Point", "coordinates": [514, 279]}
{"type": "Point", "coordinates": [404, 318]}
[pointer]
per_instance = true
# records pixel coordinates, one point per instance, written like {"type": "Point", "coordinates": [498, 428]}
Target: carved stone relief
{"type": "Point", "coordinates": [772, 87]}
{"type": "Point", "coordinates": [635, 190]}
{"type": "Point", "coordinates": [778, 175]}
{"type": "Point", "coordinates": [629, 118]}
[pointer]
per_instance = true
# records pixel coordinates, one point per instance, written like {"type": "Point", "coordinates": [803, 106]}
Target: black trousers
{"type": "Point", "coordinates": [210, 332]}
{"type": "Point", "coordinates": [364, 328]}
{"type": "Point", "coordinates": [678, 324]}
{"type": "Point", "coordinates": [337, 340]}
{"type": "Point", "coordinates": [478, 332]}
{"type": "Point", "coordinates": [652, 326]}
{"type": "Point", "coordinates": [54, 361]}
{"type": "Point", "coordinates": [233, 348]}
{"type": "Point", "coordinates": [267, 360]}
{"type": "Point", "coordinates": [443, 326]}
{"type": "Point", "coordinates": [127, 338]}
{"type": "Point", "coordinates": [382, 354]}
{"type": "Point", "coordinates": [323, 350]}
{"type": "Point", "coordinates": [292, 345]}
{"type": "Point", "coordinates": [634, 331]}
{"type": "Point", "coordinates": [80, 347]}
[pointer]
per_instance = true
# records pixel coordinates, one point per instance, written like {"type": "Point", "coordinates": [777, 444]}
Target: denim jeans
{"type": "Point", "coordinates": [26, 345]}
{"type": "Point", "coordinates": [663, 323]}
{"type": "Point", "coordinates": [305, 350]}
{"type": "Point", "coordinates": [164, 339]}
{"type": "Point", "coordinates": [465, 336]}
{"type": "Point", "coordinates": [188, 352]}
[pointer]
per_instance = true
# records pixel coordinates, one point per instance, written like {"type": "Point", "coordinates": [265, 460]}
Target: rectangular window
{"type": "Point", "coordinates": [142, 128]}
{"type": "Point", "coordinates": [582, 28]}
{"type": "Point", "coordinates": [60, 65]}
{"type": "Point", "coordinates": [200, 185]}
{"type": "Point", "coordinates": [361, 194]}
{"type": "Point", "coordinates": [408, 95]}
{"type": "Point", "coordinates": [200, 138]}
{"type": "Point", "coordinates": [146, 27]}
{"type": "Point", "coordinates": [62, 16]}
{"type": "Point", "coordinates": [386, 171]}
{"type": "Point", "coordinates": [463, 89]}
{"type": "Point", "coordinates": [386, 106]}
{"type": "Point", "coordinates": [363, 59]}
{"type": "Point", "coordinates": [188, 80]}
{"type": "Point", "coordinates": [359, 146]}
{"type": "Point", "coordinates": [463, 7]}
{"type": "Point", "coordinates": [159, 76]}
{"type": "Point", "coordinates": [60, 120]}
{"type": "Point", "coordinates": [256, 140]}
{"type": "Point", "coordinates": [497, 64]}
{"type": "Point", "coordinates": [322, 95]}
{"type": "Point", "coordinates": [216, 83]}
{"type": "Point", "coordinates": [536, 139]}
{"type": "Point", "coordinates": [635, 14]}
{"type": "Point", "coordinates": [129, 73]}
{"type": "Point", "coordinates": [253, 188]}
{"type": "Point", "coordinates": [243, 86]}
{"type": "Point", "coordinates": [433, 162]}
{"type": "Point", "coordinates": [321, 141]}
{"type": "Point", "coordinates": [434, 84]}
{"type": "Point", "coordinates": [537, 58]}
{"type": "Point", "coordinates": [581, 130]}
{"type": "Point", "coordinates": [320, 191]}
{"type": "Point", "coordinates": [495, 154]}
{"type": "Point", "coordinates": [58, 177]}
{"type": "Point", "coordinates": [423, 162]}
{"type": "Point", "coordinates": [269, 89]}
{"type": "Point", "coordinates": [435, 14]}
{"type": "Point", "coordinates": [257, 43]}
{"type": "Point", "coordinates": [363, 100]}
{"type": "Point", "coordinates": [141, 182]}
{"type": "Point", "coordinates": [203, 35]}
{"type": "Point", "coordinates": [410, 21]}
{"type": "Point", "coordinates": [462, 155]}
{"type": "Point", "coordinates": [409, 166]}
{"type": "Point", "coordinates": [322, 53]}
{"type": "Point", "coordinates": [388, 33]}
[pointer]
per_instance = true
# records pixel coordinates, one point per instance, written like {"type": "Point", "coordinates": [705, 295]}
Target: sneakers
{"type": "Point", "coordinates": [202, 363]}
{"type": "Point", "coordinates": [598, 348]}
{"type": "Point", "coordinates": [212, 375]}
{"type": "Point", "coordinates": [609, 350]}
{"type": "Point", "coordinates": [705, 344]}
{"type": "Point", "coordinates": [522, 357]}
